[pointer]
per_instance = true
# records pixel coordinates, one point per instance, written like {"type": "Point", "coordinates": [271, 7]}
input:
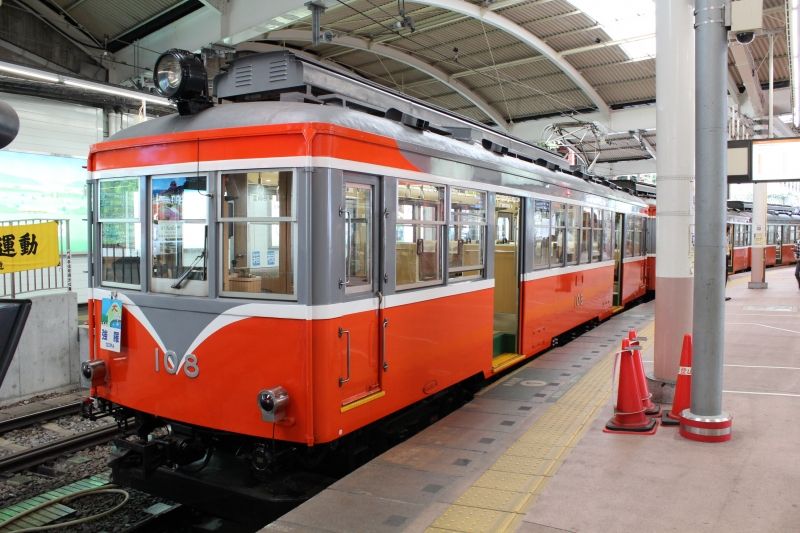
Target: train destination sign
{"type": "Point", "coordinates": [28, 246]}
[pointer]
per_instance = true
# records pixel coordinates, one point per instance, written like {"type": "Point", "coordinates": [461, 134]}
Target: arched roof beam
{"type": "Point", "coordinates": [402, 57]}
{"type": "Point", "coordinates": [498, 21]}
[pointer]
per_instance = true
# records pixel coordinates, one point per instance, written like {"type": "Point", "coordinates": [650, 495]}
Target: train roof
{"type": "Point", "coordinates": [242, 114]}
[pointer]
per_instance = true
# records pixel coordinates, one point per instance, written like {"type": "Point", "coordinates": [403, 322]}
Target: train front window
{"type": "Point", "coordinates": [258, 229]}
{"type": "Point", "coordinates": [419, 235]}
{"type": "Point", "coordinates": [120, 232]}
{"type": "Point", "coordinates": [179, 207]}
{"type": "Point", "coordinates": [466, 234]}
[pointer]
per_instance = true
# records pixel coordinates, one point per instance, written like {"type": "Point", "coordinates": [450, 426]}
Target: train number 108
{"type": "Point", "coordinates": [172, 365]}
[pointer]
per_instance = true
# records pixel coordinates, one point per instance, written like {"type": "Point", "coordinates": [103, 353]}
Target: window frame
{"type": "Point", "coordinates": [151, 280]}
{"type": "Point", "coordinates": [102, 220]}
{"type": "Point", "coordinates": [441, 223]}
{"type": "Point", "coordinates": [573, 219]}
{"type": "Point", "coordinates": [221, 234]}
{"type": "Point", "coordinates": [583, 228]}
{"type": "Point", "coordinates": [538, 253]}
{"type": "Point", "coordinates": [597, 235]}
{"type": "Point", "coordinates": [483, 230]}
{"type": "Point", "coordinates": [372, 252]}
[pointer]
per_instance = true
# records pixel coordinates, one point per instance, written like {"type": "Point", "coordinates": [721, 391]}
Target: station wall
{"type": "Point", "coordinates": [47, 356]}
{"type": "Point", "coordinates": [42, 175]}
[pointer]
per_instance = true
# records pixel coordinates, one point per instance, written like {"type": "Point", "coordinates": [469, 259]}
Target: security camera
{"type": "Point", "coordinates": [745, 37]}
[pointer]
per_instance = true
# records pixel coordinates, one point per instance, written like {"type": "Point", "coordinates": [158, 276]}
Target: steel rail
{"type": "Point", "coordinates": [39, 416]}
{"type": "Point", "coordinates": [41, 454]}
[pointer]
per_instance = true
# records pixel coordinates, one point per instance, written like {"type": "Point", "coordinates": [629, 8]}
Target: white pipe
{"type": "Point", "coordinates": [28, 72]}
{"type": "Point", "coordinates": [794, 55]}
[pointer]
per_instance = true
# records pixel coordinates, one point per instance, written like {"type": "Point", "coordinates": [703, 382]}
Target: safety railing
{"type": "Point", "coordinates": [13, 284]}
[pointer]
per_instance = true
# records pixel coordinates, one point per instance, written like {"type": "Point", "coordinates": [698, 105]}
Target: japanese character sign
{"type": "Point", "coordinates": [111, 324]}
{"type": "Point", "coordinates": [28, 246]}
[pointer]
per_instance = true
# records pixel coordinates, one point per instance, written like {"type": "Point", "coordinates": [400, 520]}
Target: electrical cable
{"type": "Point", "coordinates": [496, 72]}
{"type": "Point", "coordinates": [105, 489]}
{"type": "Point", "coordinates": [446, 59]}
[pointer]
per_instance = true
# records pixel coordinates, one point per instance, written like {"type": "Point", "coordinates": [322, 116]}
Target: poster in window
{"type": "Point", "coordinates": [168, 198]}
{"type": "Point", "coordinates": [111, 324]}
{"type": "Point", "coordinates": [272, 258]}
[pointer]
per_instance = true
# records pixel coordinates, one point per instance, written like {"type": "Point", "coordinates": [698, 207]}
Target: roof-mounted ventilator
{"type": "Point", "coordinates": [267, 76]}
{"type": "Point", "coordinates": [494, 147]}
{"type": "Point", "coordinates": [407, 119]}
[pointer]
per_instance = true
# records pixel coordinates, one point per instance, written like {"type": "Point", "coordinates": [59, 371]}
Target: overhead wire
{"type": "Point", "coordinates": [496, 72]}
{"type": "Point", "coordinates": [445, 59]}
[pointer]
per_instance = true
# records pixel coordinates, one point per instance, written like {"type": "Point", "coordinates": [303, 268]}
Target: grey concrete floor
{"type": "Point", "coordinates": [667, 483]}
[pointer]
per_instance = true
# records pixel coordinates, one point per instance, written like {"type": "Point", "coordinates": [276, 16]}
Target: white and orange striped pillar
{"type": "Point", "coordinates": [675, 114]}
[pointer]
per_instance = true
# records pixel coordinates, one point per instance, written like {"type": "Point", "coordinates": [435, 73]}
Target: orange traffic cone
{"type": "Point", "coordinates": [629, 414]}
{"type": "Point", "coordinates": [683, 386]}
{"type": "Point", "coordinates": [650, 409]}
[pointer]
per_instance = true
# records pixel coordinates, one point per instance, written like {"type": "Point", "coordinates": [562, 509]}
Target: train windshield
{"type": "Point", "coordinates": [180, 234]}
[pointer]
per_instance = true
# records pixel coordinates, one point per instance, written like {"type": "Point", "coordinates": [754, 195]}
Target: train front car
{"type": "Point", "coordinates": [270, 279]}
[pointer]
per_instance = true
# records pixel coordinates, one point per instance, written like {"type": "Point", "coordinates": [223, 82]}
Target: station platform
{"type": "Point", "coordinates": [529, 454]}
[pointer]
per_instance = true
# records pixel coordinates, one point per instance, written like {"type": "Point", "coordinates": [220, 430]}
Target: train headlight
{"type": "Point", "coordinates": [94, 372]}
{"type": "Point", "coordinates": [180, 76]}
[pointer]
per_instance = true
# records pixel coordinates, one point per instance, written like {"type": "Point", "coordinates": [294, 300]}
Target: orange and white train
{"type": "Point", "coordinates": [783, 230]}
{"type": "Point", "coordinates": [290, 273]}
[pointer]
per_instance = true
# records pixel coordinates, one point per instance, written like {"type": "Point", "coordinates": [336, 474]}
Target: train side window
{"type": "Point", "coordinates": [597, 234]}
{"type": "Point", "coordinates": [629, 233]}
{"type": "Point", "coordinates": [640, 236]}
{"type": "Point", "coordinates": [541, 245]}
{"type": "Point", "coordinates": [557, 234]}
{"type": "Point", "coordinates": [466, 234]}
{"type": "Point", "coordinates": [608, 235]}
{"type": "Point", "coordinates": [770, 234]}
{"type": "Point", "coordinates": [585, 234]}
{"type": "Point", "coordinates": [120, 232]}
{"type": "Point", "coordinates": [573, 223]}
{"type": "Point", "coordinates": [419, 235]}
{"type": "Point", "coordinates": [258, 228]}
{"type": "Point", "coordinates": [637, 235]}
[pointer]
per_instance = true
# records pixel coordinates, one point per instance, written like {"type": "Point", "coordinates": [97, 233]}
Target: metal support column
{"type": "Point", "coordinates": [705, 420]}
{"type": "Point", "coordinates": [674, 188]}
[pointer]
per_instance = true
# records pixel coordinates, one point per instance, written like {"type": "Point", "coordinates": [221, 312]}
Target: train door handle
{"type": "Point", "coordinates": [384, 363]}
{"type": "Point", "coordinates": [343, 380]}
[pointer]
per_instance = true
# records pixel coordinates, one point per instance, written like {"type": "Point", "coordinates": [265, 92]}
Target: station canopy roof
{"type": "Point", "coordinates": [497, 61]}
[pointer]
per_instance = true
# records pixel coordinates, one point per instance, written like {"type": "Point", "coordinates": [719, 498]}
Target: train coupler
{"type": "Point", "coordinates": [138, 458]}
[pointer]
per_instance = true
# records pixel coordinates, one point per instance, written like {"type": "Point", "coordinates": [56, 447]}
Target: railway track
{"type": "Point", "coordinates": [42, 454]}
{"type": "Point", "coordinates": [29, 419]}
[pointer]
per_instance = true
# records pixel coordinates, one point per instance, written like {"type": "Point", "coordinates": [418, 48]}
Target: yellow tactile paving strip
{"type": "Point", "coordinates": [500, 498]}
